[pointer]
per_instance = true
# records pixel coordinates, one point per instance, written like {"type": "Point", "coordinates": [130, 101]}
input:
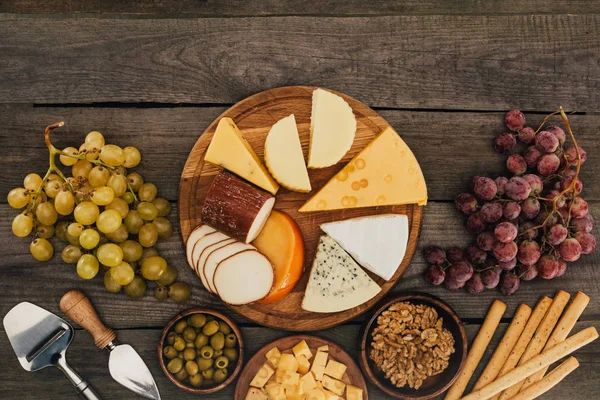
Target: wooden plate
{"type": "Point", "coordinates": [255, 116]}
{"type": "Point", "coordinates": [352, 375]}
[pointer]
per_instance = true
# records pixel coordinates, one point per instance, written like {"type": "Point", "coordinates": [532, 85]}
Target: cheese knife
{"type": "Point", "coordinates": [124, 363]}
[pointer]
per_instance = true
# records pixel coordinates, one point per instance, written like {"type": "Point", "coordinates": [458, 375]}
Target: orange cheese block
{"type": "Point", "coordinates": [385, 172]}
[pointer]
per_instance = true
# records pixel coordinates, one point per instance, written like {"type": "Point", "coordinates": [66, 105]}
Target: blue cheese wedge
{"type": "Point", "coordinates": [378, 242]}
{"type": "Point", "coordinates": [336, 282]}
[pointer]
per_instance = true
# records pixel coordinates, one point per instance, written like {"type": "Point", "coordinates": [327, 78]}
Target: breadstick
{"type": "Point", "coordinates": [540, 387]}
{"type": "Point", "coordinates": [485, 334]}
{"type": "Point", "coordinates": [532, 324]}
{"type": "Point", "coordinates": [540, 338]}
{"type": "Point", "coordinates": [537, 363]}
{"type": "Point", "coordinates": [506, 345]}
{"type": "Point", "coordinates": [562, 330]}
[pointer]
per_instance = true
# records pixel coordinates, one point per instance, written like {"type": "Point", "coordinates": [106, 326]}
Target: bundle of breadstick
{"type": "Point", "coordinates": [534, 340]}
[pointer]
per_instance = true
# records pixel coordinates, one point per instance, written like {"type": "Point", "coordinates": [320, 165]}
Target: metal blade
{"type": "Point", "coordinates": [127, 367]}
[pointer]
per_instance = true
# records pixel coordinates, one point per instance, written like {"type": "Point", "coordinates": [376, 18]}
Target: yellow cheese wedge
{"type": "Point", "coordinates": [284, 157]}
{"type": "Point", "coordinates": [385, 172]}
{"type": "Point", "coordinates": [230, 150]}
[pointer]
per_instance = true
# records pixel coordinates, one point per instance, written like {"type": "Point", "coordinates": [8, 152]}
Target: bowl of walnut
{"type": "Point", "coordinates": [413, 346]}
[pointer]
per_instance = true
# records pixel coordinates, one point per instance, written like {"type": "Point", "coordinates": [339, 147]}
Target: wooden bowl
{"type": "Point", "coordinates": [240, 347]}
{"type": "Point", "coordinates": [432, 386]}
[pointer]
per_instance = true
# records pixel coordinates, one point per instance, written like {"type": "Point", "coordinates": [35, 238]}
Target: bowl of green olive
{"type": "Point", "coordinates": [201, 350]}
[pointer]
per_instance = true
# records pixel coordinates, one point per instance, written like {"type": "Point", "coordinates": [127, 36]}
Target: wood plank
{"type": "Point", "coordinates": [91, 364]}
{"type": "Point", "coordinates": [45, 283]}
{"type": "Point", "coordinates": [216, 8]}
{"type": "Point", "coordinates": [450, 147]}
{"type": "Point", "coordinates": [450, 62]}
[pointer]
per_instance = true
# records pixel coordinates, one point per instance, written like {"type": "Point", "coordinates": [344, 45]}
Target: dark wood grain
{"type": "Point", "coordinates": [220, 8]}
{"type": "Point", "coordinates": [449, 62]}
{"type": "Point", "coordinates": [450, 147]}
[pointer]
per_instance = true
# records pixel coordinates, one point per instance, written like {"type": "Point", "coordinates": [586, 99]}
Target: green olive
{"type": "Point", "coordinates": [230, 341]}
{"type": "Point", "coordinates": [208, 374]}
{"type": "Point", "coordinates": [168, 277]}
{"type": "Point", "coordinates": [175, 365]}
{"type": "Point", "coordinates": [170, 352]}
{"type": "Point", "coordinates": [161, 293]}
{"type": "Point", "coordinates": [171, 337]}
{"type": "Point", "coordinates": [179, 343]}
{"type": "Point", "coordinates": [189, 345]}
{"type": "Point", "coordinates": [189, 354]}
{"type": "Point", "coordinates": [217, 341]}
{"type": "Point", "coordinates": [180, 326]}
{"type": "Point", "coordinates": [189, 334]}
{"type": "Point", "coordinates": [224, 328]}
{"type": "Point", "coordinates": [210, 328]}
{"type": "Point", "coordinates": [210, 318]}
{"type": "Point", "coordinates": [197, 320]}
{"type": "Point", "coordinates": [191, 367]}
{"type": "Point", "coordinates": [181, 375]}
{"type": "Point", "coordinates": [201, 341]}
{"type": "Point", "coordinates": [220, 375]}
{"type": "Point", "coordinates": [231, 354]}
{"type": "Point", "coordinates": [179, 292]}
{"type": "Point", "coordinates": [217, 353]}
{"type": "Point", "coordinates": [136, 288]}
{"type": "Point", "coordinates": [222, 362]}
{"type": "Point", "coordinates": [206, 352]}
{"type": "Point", "coordinates": [180, 355]}
{"type": "Point", "coordinates": [196, 380]}
{"type": "Point", "coordinates": [204, 363]}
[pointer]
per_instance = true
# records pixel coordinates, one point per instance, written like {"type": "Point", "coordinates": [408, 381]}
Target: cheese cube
{"type": "Point", "coordinates": [273, 356]}
{"type": "Point", "coordinates": [279, 374]}
{"type": "Point", "coordinates": [308, 382]}
{"type": "Point", "coordinates": [291, 378]}
{"type": "Point", "coordinates": [288, 362]}
{"type": "Point", "coordinates": [330, 395]}
{"type": "Point", "coordinates": [353, 393]}
{"type": "Point", "coordinates": [275, 391]}
{"type": "Point", "coordinates": [256, 394]}
{"type": "Point", "coordinates": [318, 366]}
{"type": "Point", "coordinates": [335, 369]}
{"type": "Point", "coordinates": [262, 376]}
{"type": "Point", "coordinates": [293, 390]}
{"type": "Point", "coordinates": [303, 364]}
{"type": "Point", "coordinates": [301, 349]}
{"type": "Point", "coordinates": [334, 385]}
{"type": "Point", "coordinates": [315, 394]}
{"type": "Point", "coordinates": [323, 348]}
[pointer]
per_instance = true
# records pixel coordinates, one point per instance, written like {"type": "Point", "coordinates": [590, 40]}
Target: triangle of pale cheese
{"type": "Point", "coordinates": [378, 243]}
{"type": "Point", "coordinates": [230, 150]}
{"type": "Point", "coordinates": [336, 282]}
{"type": "Point", "coordinates": [385, 172]}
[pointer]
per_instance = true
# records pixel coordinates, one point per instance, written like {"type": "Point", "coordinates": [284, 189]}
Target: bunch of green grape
{"type": "Point", "coordinates": [109, 217]}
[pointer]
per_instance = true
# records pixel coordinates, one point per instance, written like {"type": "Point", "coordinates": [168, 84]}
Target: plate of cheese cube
{"type": "Point", "coordinates": [301, 368]}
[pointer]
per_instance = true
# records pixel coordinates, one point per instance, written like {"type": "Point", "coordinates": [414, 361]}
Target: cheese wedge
{"type": "Point", "coordinates": [332, 129]}
{"type": "Point", "coordinates": [385, 172]}
{"type": "Point", "coordinates": [378, 243]}
{"type": "Point", "coordinates": [336, 282]}
{"type": "Point", "coordinates": [284, 157]}
{"type": "Point", "coordinates": [230, 150]}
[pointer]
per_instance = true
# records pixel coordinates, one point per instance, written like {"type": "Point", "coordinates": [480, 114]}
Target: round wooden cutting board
{"type": "Point", "coordinates": [352, 376]}
{"type": "Point", "coordinates": [254, 116]}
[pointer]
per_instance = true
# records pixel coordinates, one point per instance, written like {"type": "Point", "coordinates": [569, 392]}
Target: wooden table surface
{"type": "Point", "coordinates": [155, 75]}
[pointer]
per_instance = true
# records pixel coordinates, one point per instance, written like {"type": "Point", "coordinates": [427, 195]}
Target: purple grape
{"type": "Point", "coordinates": [514, 120]}
{"type": "Point", "coordinates": [476, 223]}
{"type": "Point", "coordinates": [579, 208]}
{"type": "Point", "coordinates": [453, 285]}
{"type": "Point", "coordinates": [466, 203]}
{"type": "Point", "coordinates": [547, 266]}
{"type": "Point", "coordinates": [530, 208]}
{"type": "Point", "coordinates": [587, 241]}
{"type": "Point", "coordinates": [485, 188]}
{"type": "Point", "coordinates": [550, 221]}
{"type": "Point", "coordinates": [529, 252]}
{"type": "Point", "coordinates": [526, 230]}
{"type": "Point", "coordinates": [566, 182]}
{"type": "Point", "coordinates": [562, 267]}
{"type": "Point", "coordinates": [486, 241]}
{"type": "Point", "coordinates": [535, 182]}
{"type": "Point", "coordinates": [558, 132]}
{"type": "Point", "coordinates": [546, 141]}
{"type": "Point", "coordinates": [506, 232]}
{"type": "Point", "coordinates": [505, 251]}
{"type": "Point", "coordinates": [435, 275]}
{"type": "Point", "coordinates": [570, 250]}
{"type": "Point", "coordinates": [509, 283]}
{"type": "Point", "coordinates": [475, 284]}
{"type": "Point", "coordinates": [571, 155]}
{"type": "Point", "coordinates": [557, 234]}
{"type": "Point", "coordinates": [583, 224]}
{"type": "Point", "coordinates": [504, 143]}
{"type": "Point", "coordinates": [490, 278]}
{"type": "Point", "coordinates": [527, 272]}
{"type": "Point", "coordinates": [475, 255]}
{"type": "Point", "coordinates": [460, 271]}
{"type": "Point", "coordinates": [553, 194]}
{"type": "Point", "coordinates": [455, 254]}
{"type": "Point", "coordinates": [516, 164]}
{"type": "Point", "coordinates": [517, 188]}
{"type": "Point", "coordinates": [435, 255]}
{"type": "Point", "coordinates": [531, 155]}
{"type": "Point", "coordinates": [548, 164]}
{"type": "Point", "coordinates": [527, 135]}
{"type": "Point", "coordinates": [500, 184]}
{"type": "Point", "coordinates": [511, 210]}
{"type": "Point", "coordinates": [491, 212]}
{"type": "Point", "coordinates": [508, 265]}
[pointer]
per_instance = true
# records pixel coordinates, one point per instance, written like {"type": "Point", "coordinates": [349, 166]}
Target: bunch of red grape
{"type": "Point", "coordinates": [528, 224]}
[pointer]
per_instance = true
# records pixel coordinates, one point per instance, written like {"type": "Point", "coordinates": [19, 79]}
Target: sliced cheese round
{"type": "Point", "coordinates": [204, 242]}
{"type": "Point", "coordinates": [197, 234]}
{"type": "Point", "coordinates": [243, 278]}
{"type": "Point", "coordinates": [204, 255]}
{"type": "Point", "coordinates": [219, 255]}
